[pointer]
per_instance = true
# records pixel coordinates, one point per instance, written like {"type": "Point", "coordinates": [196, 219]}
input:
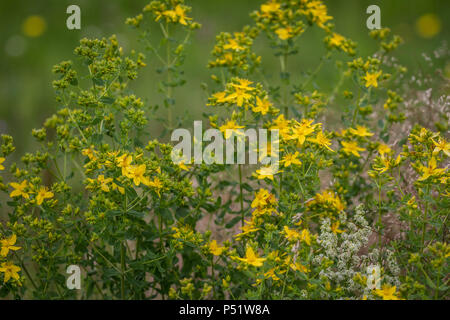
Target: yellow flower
{"type": "Point", "coordinates": [112, 155]}
{"type": "Point", "coordinates": [302, 130]}
{"type": "Point", "coordinates": [116, 187]}
{"type": "Point", "coordinates": [1, 161]}
{"type": "Point", "coordinates": [246, 229]}
{"type": "Point", "coordinates": [386, 165]}
{"type": "Point", "coordinates": [271, 274]}
{"type": "Point", "coordinates": [305, 236]}
{"type": "Point", "coordinates": [412, 203]}
{"type": "Point", "coordinates": [104, 182]}
{"type": "Point", "coordinates": [231, 127]}
{"type": "Point", "coordinates": [351, 148]}
{"type": "Point", "coordinates": [90, 153]}
{"type": "Point", "coordinates": [220, 97]}
{"type": "Point", "coordinates": [136, 173]}
{"type": "Point", "coordinates": [336, 40]}
{"type": "Point", "coordinates": [124, 162]}
{"type": "Point", "coordinates": [335, 228]}
{"type": "Point", "coordinates": [284, 33]}
{"type": "Point", "coordinates": [430, 170]}
{"type": "Point", "coordinates": [321, 140]}
{"type": "Point", "coordinates": [240, 95]}
{"type": "Point", "coordinates": [10, 270]}
{"type": "Point", "coordinates": [318, 11]}
{"type": "Point", "coordinates": [233, 45]}
{"type": "Point", "coordinates": [19, 189]}
{"type": "Point", "coordinates": [262, 106]}
{"type": "Point", "coordinates": [183, 166]}
{"type": "Point", "coordinates": [43, 194]}
{"type": "Point", "coordinates": [291, 235]}
{"type": "Point", "coordinates": [265, 150]}
{"type": "Point", "coordinates": [215, 249]}
{"type": "Point", "coordinates": [422, 135]}
{"type": "Point", "coordinates": [371, 79]}
{"type": "Point", "coordinates": [441, 145]}
{"type": "Point", "coordinates": [8, 244]}
{"type": "Point", "coordinates": [327, 197]}
{"type": "Point", "coordinates": [225, 283]}
{"type": "Point", "coordinates": [179, 14]}
{"type": "Point", "coordinates": [383, 149]}
{"type": "Point", "coordinates": [266, 172]}
{"type": "Point", "coordinates": [251, 258]}
{"type": "Point", "coordinates": [260, 198]}
{"type": "Point", "coordinates": [387, 292]}
{"type": "Point", "coordinates": [282, 125]}
{"type": "Point", "coordinates": [361, 131]}
{"type": "Point", "coordinates": [299, 267]}
{"type": "Point", "coordinates": [243, 84]}
{"type": "Point", "coordinates": [291, 159]}
{"type": "Point", "coordinates": [270, 7]}
{"type": "Point", "coordinates": [156, 184]}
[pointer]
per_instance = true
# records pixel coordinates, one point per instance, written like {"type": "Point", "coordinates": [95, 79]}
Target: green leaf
{"type": "Point", "coordinates": [98, 81]}
{"type": "Point", "coordinates": [114, 213]}
{"type": "Point", "coordinates": [233, 222]}
{"type": "Point", "coordinates": [136, 214]}
{"type": "Point", "coordinates": [107, 100]}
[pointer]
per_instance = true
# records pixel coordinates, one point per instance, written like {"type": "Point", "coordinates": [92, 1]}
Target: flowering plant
{"type": "Point", "coordinates": [351, 212]}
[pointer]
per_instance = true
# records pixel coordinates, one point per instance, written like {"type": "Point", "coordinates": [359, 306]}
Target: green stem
{"type": "Point", "coordinates": [380, 231]}
{"type": "Point", "coordinates": [284, 281]}
{"type": "Point", "coordinates": [283, 66]}
{"type": "Point", "coordinates": [313, 75]}
{"type": "Point", "coordinates": [122, 269]}
{"type": "Point", "coordinates": [26, 270]}
{"type": "Point", "coordinates": [212, 278]}
{"type": "Point", "coordinates": [169, 78]}
{"type": "Point", "coordinates": [241, 195]}
{"type": "Point", "coordinates": [355, 113]}
{"type": "Point", "coordinates": [425, 221]}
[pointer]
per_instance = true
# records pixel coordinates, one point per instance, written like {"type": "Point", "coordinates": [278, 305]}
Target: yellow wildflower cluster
{"type": "Point", "coordinates": [388, 292]}
{"type": "Point", "coordinates": [428, 158]}
{"type": "Point", "coordinates": [234, 52]}
{"type": "Point", "coordinates": [263, 203]}
{"type": "Point", "coordinates": [251, 258]}
{"type": "Point", "coordinates": [7, 268]}
{"type": "Point", "coordinates": [24, 190]}
{"type": "Point", "coordinates": [184, 235]}
{"type": "Point", "coordinates": [348, 193]}
{"type": "Point", "coordinates": [174, 12]}
{"type": "Point", "coordinates": [337, 41]}
{"type": "Point", "coordinates": [136, 173]}
{"type": "Point", "coordinates": [279, 20]}
{"type": "Point", "coordinates": [293, 235]}
{"type": "Point", "coordinates": [327, 202]}
{"type": "Point", "coordinates": [284, 19]}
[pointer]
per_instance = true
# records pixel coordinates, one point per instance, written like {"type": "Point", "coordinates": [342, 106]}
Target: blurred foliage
{"type": "Point", "coordinates": [34, 37]}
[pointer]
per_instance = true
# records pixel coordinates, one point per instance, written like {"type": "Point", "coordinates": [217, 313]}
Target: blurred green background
{"type": "Point", "coordinates": [29, 47]}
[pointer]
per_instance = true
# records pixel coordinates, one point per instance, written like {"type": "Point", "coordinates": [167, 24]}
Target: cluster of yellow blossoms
{"type": "Point", "coordinates": [137, 173]}
{"type": "Point", "coordinates": [8, 269]}
{"type": "Point", "coordinates": [25, 189]}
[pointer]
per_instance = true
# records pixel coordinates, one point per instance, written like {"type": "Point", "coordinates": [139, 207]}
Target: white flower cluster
{"type": "Point", "coordinates": [344, 250]}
